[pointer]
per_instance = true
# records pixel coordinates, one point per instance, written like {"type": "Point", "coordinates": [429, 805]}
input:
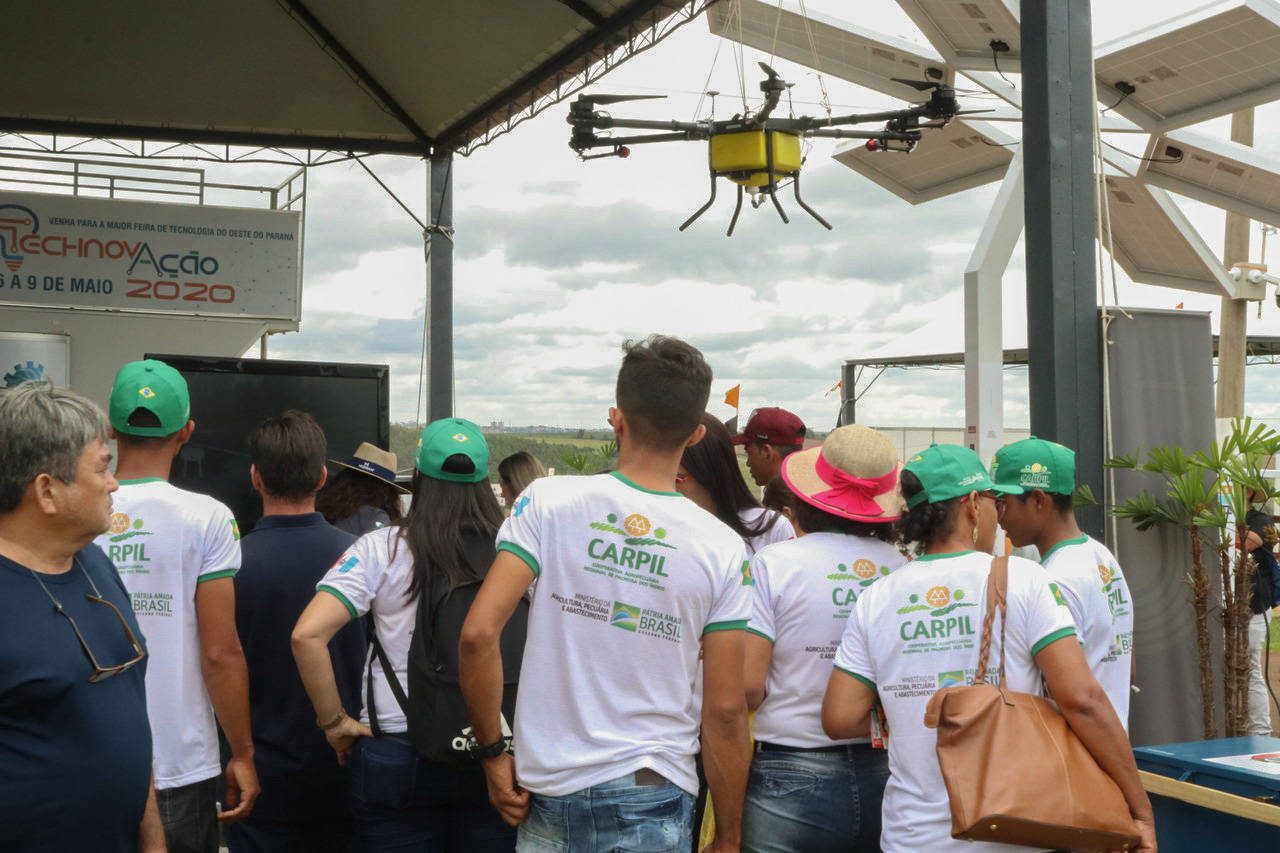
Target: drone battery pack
{"type": "Point", "coordinates": [744, 156]}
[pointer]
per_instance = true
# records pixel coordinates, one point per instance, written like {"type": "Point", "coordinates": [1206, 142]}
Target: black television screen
{"type": "Point", "coordinates": [230, 397]}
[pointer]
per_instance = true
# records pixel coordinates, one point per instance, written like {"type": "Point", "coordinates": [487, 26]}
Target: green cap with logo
{"type": "Point", "coordinates": [156, 387]}
{"type": "Point", "coordinates": [450, 437]}
{"type": "Point", "coordinates": [947, 471]}
{"type": "Point", "coordinates": [1034, 463]}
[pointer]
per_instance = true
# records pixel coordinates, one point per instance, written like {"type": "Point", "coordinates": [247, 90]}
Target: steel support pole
{"type": "Point", "coordinates": [1233, 317]}
{"type": "Point", "coordinates": [439, 308]}
{"type": "Point", "coordinates": [983, 317]}
{"type": "Point", "coordinates": [1062, 311]}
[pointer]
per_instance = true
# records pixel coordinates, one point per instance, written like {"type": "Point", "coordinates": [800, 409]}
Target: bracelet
{"type": "Point", "coordinates": [332, 724]}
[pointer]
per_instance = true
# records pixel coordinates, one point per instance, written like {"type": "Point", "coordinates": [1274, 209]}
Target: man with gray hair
{"type": "Point", "coordinates": [75, 743]}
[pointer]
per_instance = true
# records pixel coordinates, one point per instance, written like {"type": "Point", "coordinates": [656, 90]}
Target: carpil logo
{"type": "Point", "coordinates": [635, 529]}
{"type": "Point", "coordinates": [1034, 475]}
{"type": "Point", "coordinates": [625, 616]}
{"type": "Point", "coordinates": [939, 601]}
{"type": "Point", "coordinates": [121, 529]}
{"type": "Point", "coordinates": [16, 222]}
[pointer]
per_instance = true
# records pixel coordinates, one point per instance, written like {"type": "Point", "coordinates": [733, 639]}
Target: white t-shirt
{"type": "Point", "coordinates": [164, 541]}
{"type": "Point", "coordinates": [629, 581]}
{"type": "Point", "coordinates": [780, 532]}
{"type": "Point", "coordinates": [919, 630]}
{"type": "Point", "coordinates": [1090, 581]}
{"type": "Point", "coordinates": [804, 590]}
{"type": "Point", "coordinates": [367, 578]}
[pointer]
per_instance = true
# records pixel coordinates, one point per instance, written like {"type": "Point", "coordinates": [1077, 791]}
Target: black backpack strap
{"type": "Point", "coordinates": [388, 672]}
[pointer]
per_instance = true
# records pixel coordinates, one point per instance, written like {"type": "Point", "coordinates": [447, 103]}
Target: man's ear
{"type": "Point", "coordinates": [698, 434]}
{"type": "Point", "coordinates": [42, 492]}
{"type": "Point", "coordinates": [184, 434]}
{"type": "Point", "coordinates": [324, 477]}
{"type": "Point", "coordinates": [254, 477]}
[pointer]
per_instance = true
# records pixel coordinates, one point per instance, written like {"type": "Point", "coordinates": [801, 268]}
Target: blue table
{"type": "Point", "coordinates": [1182, 827]}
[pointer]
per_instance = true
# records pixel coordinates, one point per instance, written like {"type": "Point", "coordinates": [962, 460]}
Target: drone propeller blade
{"type": "Point", "coordinates": [617, 99]}
{"type": "Point", "coordinates": [973, 112]}
{"type": "Point", "coordinates": [922, 85]}
{"type": "Point", "coordinates": [768, 71]}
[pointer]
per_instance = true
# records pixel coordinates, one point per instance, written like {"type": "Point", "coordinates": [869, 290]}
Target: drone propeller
{"type": "Point", "coordinates": [973, 112]}
{"type": "Point", "coordinates": [921, 85]}
{"type": "Point", "coordinates": [617, 99]}
{"type": "Point", "coordinates": [773, 75]}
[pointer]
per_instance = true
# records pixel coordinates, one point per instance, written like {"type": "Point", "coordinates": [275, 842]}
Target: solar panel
{"type": "Point", "coordinates": [843, 49]}
{"type": "Point", "coordinates": [1155, 244]}
{"type": "Point", "coordinates": [963, 31]}
{"type": "Point", "coordinates": [1224, 174]}
{"type": "Point", "coordinates": [963, 155]}
{"type": "Point", "coordinates": [1210, 62]}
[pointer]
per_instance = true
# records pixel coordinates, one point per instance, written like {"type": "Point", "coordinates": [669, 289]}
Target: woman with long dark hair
{"type": "Point", "coordinates": [398, 799]}
{"type": "Point", "coordinates": [897, 650]}
{"type": "Point", "coordinates": [710, 477]}
{"type": "Point", "coordinates": [362, 495]}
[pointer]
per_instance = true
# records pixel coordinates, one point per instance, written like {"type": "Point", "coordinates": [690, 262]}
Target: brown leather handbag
{"type": "Point", "coordinates": [1014, 770]}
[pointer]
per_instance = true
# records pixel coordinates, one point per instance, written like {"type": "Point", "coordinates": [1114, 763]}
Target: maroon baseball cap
{"type": "Point", "coordinates": [772, 426]}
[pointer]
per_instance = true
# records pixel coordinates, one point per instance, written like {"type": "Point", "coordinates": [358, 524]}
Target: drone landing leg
{"type": "Point", "coordinates": [773, 194]}
{"type": "Point", "coordinates": [772, 187]}
{"type": "Point", "coordinates": [737, 208]}
{"type": "Point", "coordinates": [705, 207]}
{"type": "Point", "coordinates": [795, 183]}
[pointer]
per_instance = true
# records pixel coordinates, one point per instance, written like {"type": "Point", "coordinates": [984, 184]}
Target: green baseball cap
{"type": "Point", "coordinates": [949, 471]}
{"type": "Point", "coordinates": [1034, 463]}
{"type": "Point", "coordinates": [449, 437]}
{"type": "Point", "coordinates": [156, 387]}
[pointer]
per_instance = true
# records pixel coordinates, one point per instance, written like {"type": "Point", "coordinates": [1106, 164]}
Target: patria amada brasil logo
{"type": "Point", "coordinates": [21, 237]}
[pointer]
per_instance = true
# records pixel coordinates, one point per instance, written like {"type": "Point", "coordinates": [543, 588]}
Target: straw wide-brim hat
{"type": "Point", "coordinates": [854, 475]}
{"type": "Point", "coordinates": [373, 461]}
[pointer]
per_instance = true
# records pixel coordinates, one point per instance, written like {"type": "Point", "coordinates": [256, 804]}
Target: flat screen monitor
{"type": "Point", "coordinates": [230, 397]}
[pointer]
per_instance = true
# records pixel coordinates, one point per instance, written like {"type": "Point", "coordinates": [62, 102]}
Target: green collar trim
{"type": "Point", "coordinates": [141, 480]}
{"type": "Point", "coordinates": [1079, 540]}
{"type": "Point", "coordinates": [924, 558]}
{"type": "Point", "coordinates": [625, 480]}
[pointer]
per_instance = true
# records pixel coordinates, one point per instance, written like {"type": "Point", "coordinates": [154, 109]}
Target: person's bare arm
{"type": "Point", "coordinates": [480, 674]}
{"type": "Point", "coordinates": [1253, 541]}
{"type": "Point", "coordinates": [726, 741]}
{"type": "Point", "coordinates": [1091, 716]}
{"type": "Point", "coordinates": [759, 652]}
{"type": "Point", "coordinates": [151, 830]}
{"type": "Point", "coordinates": [226, 678]}
{"type": "Point", "coordinates": [323, 618]}
{"type": "Point", "coordinates": [846, 706]}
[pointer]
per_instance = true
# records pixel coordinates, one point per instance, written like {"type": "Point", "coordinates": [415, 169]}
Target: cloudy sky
{"type": "Point", "coordinates": [558, 261]}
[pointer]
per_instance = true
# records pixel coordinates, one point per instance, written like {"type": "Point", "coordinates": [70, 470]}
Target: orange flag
{"type": "Point", "coordinates": [835, 387]}
{"type": "Point", "coordinates": [731, 396]}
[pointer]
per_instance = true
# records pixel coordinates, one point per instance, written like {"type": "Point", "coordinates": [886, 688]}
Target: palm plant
{"type": "Point", "coordinates": [1206, 494]}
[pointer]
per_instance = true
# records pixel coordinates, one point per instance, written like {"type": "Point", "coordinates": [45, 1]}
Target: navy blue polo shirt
{"type": "Point", "coordinates": [282, 560]}
{"type": "Point", "coordinates": [75, 757]}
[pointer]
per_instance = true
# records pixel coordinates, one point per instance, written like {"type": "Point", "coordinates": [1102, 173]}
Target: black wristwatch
{"type": "Point", "coordinates": [483, 752]}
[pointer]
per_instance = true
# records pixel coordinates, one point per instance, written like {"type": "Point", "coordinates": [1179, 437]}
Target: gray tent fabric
{"type": "Point", "coordinates": [1163, 361]}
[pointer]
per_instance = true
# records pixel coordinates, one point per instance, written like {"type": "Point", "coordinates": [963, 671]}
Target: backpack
{"type": "Point", "coordinates": [439, 726]}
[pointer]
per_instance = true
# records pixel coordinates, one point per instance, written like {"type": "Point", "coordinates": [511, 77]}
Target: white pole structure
{"type": "Point", "coordinates": [1233, 320]}
{"type": "Point", "coordinates": [983, 316]}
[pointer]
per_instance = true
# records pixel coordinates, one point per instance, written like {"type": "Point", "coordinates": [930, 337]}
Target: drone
{"type": "Point", "coordinates": [755, 150]}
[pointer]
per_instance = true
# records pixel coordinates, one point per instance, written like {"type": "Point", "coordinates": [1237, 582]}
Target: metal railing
{"type": "Point", "coordinates": [141, 182]}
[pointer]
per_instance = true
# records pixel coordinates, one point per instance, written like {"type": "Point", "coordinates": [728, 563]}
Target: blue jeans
{"type": "Point", "coordinates": [617, 815]}
{"type": "Point", "coordinates": [253, 835]}
{"type": "Point", "coordinates": [818, 802]}
{"type": "Point", "coordinates": [401, 802]}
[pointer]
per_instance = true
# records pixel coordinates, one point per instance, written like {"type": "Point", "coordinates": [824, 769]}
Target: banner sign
{"type": "Point", "coordinates": [25, 357]}
{"type": "Point", "coordinates": [77, 252]}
